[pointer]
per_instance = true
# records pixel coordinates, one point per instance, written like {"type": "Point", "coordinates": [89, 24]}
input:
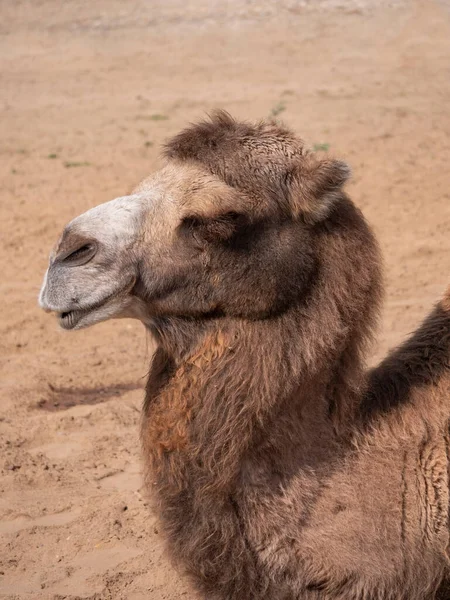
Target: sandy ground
{"type": "Point", "coordinates": [88, 92]}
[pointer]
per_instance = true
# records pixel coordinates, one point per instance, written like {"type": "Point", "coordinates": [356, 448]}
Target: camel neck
{"type": "Point", "coordinates": [209, 403]}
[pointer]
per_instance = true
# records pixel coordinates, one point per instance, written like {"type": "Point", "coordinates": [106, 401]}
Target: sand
{"type": "Point", "coordinates": [88, 92]}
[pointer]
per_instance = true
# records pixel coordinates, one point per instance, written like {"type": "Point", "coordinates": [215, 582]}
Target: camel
{"type": "Point", "coordinates": [280, 467]}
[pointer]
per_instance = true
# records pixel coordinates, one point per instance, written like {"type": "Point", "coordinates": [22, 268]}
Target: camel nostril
{"type": "Point", "coordinates": [81, 255]}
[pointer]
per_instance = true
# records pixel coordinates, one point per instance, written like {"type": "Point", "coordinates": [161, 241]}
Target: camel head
{"type": "Point", "coordinates": [227, 227]}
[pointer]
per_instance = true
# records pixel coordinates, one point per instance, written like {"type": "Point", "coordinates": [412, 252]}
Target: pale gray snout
{"type": "Point", "coordinates": [92, 271]}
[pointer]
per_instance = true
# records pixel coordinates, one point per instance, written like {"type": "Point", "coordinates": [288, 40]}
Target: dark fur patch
{"type": "Point", "coordinates": [419, 362]}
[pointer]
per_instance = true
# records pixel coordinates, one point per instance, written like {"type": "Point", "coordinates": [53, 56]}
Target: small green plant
{"type": "Point", "coordinates": [148, 144]}
{"type": "Point", "coordinates": [154, 117]}
{"type": "Point", "coordinates": [52, 155]}
{"type": "Point", "coordinates": [324, 147]}
{"type": "Point", "coordinates": [70, 164]}
{"type": "Point", "coordinates": [14, 171]}
{"type": "Point", "coordinates": [158, 117]}
{"type": "Point", "coordinates": [277, 109]}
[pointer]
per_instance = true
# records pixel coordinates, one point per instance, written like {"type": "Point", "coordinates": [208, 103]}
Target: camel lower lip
{"type": "Point", "coordinates": [69, 320]}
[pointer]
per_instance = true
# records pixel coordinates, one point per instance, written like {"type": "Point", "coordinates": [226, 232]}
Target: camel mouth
{"type": "Point", "coordinates": [73, 319]}
{"type": "Point", "coordinates": [70, 319]}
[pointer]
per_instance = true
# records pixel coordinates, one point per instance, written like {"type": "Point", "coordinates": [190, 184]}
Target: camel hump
{"type": "Point", "coordinates": [419, 362]}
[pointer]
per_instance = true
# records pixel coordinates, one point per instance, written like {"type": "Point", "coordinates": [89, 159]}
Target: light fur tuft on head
{"type": "Point", "coordinates": [266, 161]}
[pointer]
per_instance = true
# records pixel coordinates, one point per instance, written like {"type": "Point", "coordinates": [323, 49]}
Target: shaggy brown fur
{"type": "Point", "coordinates": [276, 475]}
{"type": "Point", "coordinates": [280, 469]}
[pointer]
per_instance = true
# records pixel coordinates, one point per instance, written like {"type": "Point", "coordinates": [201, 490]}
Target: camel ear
{"type": "Point", "coordinates": [315, 187]}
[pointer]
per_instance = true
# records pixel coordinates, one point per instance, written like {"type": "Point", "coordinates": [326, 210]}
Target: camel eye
{"type": "Point", "coordinates": [215, 229]}
{"type": "Point", "coordinates": [81, 255]}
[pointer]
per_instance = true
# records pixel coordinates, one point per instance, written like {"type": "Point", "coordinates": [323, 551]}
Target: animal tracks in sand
{"type": "Point", "coordinates": [55, 520]}
{"type": "Point", "coordinates": [86, 569]}
{"type": "Point", "coordinates": [58, 450]}
{"type": "Point", "coordinates": [84, 578]}
{"type": "Point", "coordinates": [129, 479]}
